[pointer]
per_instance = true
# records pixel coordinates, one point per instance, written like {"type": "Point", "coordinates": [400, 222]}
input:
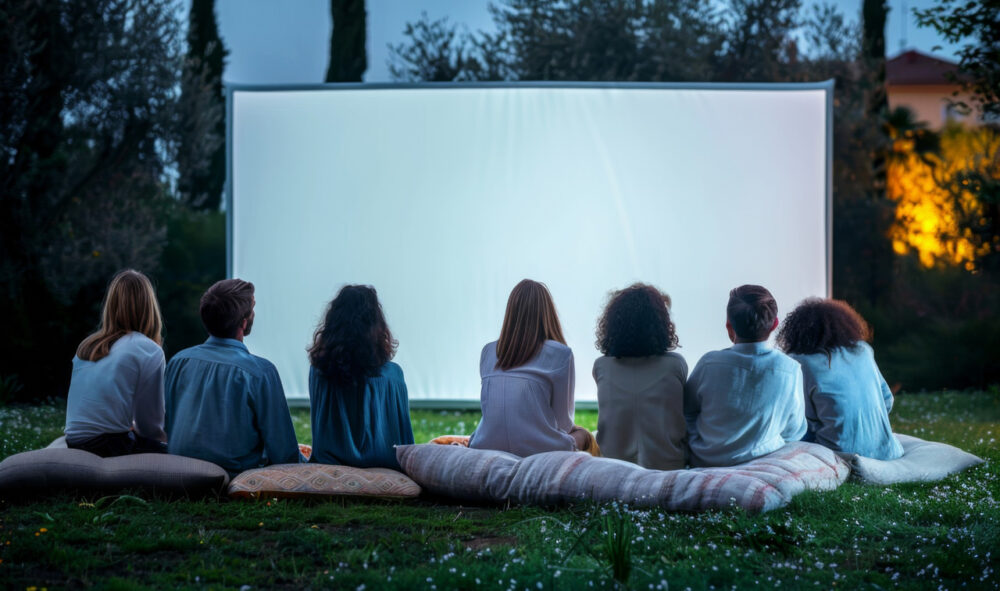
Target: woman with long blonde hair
{"type": "Point", "coordinates": [115, 402]}
{"type": "Point", "coordinates": [527, 381]}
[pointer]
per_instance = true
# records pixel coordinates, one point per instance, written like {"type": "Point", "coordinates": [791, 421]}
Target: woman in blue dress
{"type": "Point", "coordinates": [359, 405]}
{"type": "Point", "coordinates": [847, 399]}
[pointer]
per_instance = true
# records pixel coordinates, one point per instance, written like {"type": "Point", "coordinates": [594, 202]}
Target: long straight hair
{"type": "Point", "coordinates": [129, 306]}
{"type": "Point", "coordinates": [529, 321]}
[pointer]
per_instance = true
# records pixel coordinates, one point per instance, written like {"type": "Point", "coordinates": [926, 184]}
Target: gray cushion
{"type": "Point", "coordinates": [922, 461]}
{"type": "Point", "coordinates": [58, 469]}
{"type": "Point", "coordinates": [560, 476]}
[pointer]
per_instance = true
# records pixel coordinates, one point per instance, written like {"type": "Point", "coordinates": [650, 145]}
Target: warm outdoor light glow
{"type": "Point", "coordinates": [930, 202]}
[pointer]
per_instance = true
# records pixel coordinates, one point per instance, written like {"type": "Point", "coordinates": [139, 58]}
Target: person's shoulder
{"type": "Point", "coordinates": [557, 353]}
{"type": "Point", "coordinates": [139, 345]}
{"type": "Point", "coordinates": [392, 371]}
{"type": "Point", "coordinates": [263, 366]}
{"type": "Point", "coordinates": [672, 360]}
{"type": "Point", "coordinates": [557, 348]}
{"type": "Point", "coordinates": [782, 360]}
{"type": "Point", "coordinates": [717, 356]}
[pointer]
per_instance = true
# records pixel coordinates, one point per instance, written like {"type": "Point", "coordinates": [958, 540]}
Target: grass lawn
{"type": "Point", "coordinates": [921, 536]}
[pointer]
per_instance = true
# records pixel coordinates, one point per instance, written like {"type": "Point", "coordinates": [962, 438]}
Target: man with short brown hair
{"type": "Point", "coordinates": [746, 401]}
{"type": "Point", "coordinates": [223, 404]}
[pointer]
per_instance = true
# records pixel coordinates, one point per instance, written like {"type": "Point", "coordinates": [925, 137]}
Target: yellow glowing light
{"type": "Point", "coordinates": [927, 219]}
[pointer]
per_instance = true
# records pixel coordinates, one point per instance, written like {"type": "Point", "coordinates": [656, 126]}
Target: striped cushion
{"type": "Point", "coordinates": [311, 480]}
{"type": "Point", "coordinates": [559, 477]}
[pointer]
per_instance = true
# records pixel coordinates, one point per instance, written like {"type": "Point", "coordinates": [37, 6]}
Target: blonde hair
{"type": "Point", "coordinates": [129, 305]}
{"type": "Point", "coordinates": [529, 321]}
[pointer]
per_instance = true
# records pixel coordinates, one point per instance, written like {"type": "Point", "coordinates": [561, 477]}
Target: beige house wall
{"type": "Point", "coordinates": [929, 103]}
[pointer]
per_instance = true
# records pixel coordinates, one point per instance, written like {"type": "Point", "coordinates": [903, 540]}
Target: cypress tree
{"type": "Point", "coordinates": [202, 158]}
{"type": "Point", "coordinates": [348, 60]}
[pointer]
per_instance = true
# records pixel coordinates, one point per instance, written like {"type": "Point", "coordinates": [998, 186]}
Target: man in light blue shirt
{"type": "Point", "coordinates": [223, 404]}
{"type": "Point", "coordinates": [746, 401]}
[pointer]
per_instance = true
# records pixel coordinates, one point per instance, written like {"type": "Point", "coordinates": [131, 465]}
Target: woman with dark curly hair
{"type": "Point", "coordinates": [847, 399]}
{"type": "Point", "coordinates": [359, 405]}
{"type": "Point", "coordinates": [640, 381]}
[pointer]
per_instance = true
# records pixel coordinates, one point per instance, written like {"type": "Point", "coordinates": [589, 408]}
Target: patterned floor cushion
{"type": "Point", "coordinates": [922, 461]}
{"type": "Point", "coordinates": [559, 477]}
{"type": "Point", "coordinates": [322, 480]}
{"type": "Point", "coordinates": [56, 469]}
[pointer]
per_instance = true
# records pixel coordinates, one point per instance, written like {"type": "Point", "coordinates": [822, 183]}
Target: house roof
{"type": "Point", "coordinates": [914, 68]}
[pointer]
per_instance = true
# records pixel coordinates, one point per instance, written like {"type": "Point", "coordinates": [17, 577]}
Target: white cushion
{"type": "Point", "coordinates": [922, 461]}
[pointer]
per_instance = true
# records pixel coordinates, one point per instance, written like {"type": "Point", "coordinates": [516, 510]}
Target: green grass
{"type": "Point", "coordinates": [920, 536]}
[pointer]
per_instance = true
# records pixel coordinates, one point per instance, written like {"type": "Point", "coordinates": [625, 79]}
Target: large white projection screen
{"type": "Point", "coordinates": [444, 197]}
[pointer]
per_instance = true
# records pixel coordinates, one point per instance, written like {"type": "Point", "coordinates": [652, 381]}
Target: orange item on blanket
{"type": "Point", "coordinates": [306, 450]}
{"type": "Point", "coordinates": [463, 441]}
{"type": "Point", "coordinates": [460, 440]}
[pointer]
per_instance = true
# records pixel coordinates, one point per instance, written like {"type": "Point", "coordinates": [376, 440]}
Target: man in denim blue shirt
{"type": "Point", "coordinates": [745, 401]}
{"type": "Point", "coordinates": [223, 404]}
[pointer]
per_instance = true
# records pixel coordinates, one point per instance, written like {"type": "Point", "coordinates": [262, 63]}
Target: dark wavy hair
{"type": "Point", "coordinates": [820, 325]}
{"type": "Point", "coordinates": [636, 323]}
{"type": "Point", "coordinates": [353, 341]}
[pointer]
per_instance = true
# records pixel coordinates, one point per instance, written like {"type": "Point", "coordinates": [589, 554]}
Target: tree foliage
{"type": "Point", "coordinates": [976, 25]}
{"type": "Point", "coordinates": [348, 60]}
{"type": "Point", "coordinates": [201, 159]}
{"type": "Point", "coordinates": [87, 126]}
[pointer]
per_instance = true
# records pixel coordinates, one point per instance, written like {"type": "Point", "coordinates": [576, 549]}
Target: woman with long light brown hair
{"type": "Point", "coordinates": [527, 381]}
{"type": "Point", "coordinates": [115, 402]}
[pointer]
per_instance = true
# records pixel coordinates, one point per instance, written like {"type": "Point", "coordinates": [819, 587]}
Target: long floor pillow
{"type": "Point", "coordinates": [554, 478]}
{"type": "Point", "coordinates": [922, 461]}
{"type": "Point", "coordinates": [54, 469]}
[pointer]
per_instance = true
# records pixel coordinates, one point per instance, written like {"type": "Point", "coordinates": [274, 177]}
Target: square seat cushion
{"type": "Point", "coordinates": [922, 461]}
{"type": "Point", "coordinates": [322, 480]}
{"type": "Point", "coordinates": [55, 469]}
{"type": "Point", "coordinates": [558, 477]}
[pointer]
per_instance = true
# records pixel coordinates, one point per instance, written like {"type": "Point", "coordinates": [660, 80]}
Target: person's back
{"type": "Point", "coordinates": [115, 402]}
{"type": "Point", "coordinates": [746, 401]}
{"type": "Point", "coordinates": [847, 399]}
{"type": "Point", "coordinates": [640, 382]}
{"type": "Point", "coordinates": [527, 409]}
{"type": "Point", "coordinates": [360, 428]}
{"type": "Point", "coordinates": [641, 409]}
{"type": "Point", "coordinates": [749, 403]}
{"type": "Point", "coordinates": [223, 404]}
{"type": "Point", "coordinates": [359, 404]}
{"type": "Point", "coordinates": [119, 392]}
{"type": "Point", "coordinates": [848, 402]}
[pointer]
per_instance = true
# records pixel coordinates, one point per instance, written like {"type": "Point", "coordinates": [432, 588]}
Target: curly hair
{"type": "Point", "coordinates": [353, 341]}
{"type": "Point", "coordinates": [820, 325]}
{"type": "Point", "coordinates": [636, 323]}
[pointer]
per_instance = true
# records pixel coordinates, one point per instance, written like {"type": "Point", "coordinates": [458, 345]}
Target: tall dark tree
{"type": "Point", "coordinates": [86, 116]}
{"type": "Point", "coordinates": [760, 46]}
{"type": "Point", "coordinates": [348, 60]}
{"type": "Point", "coordinates": [201, 160]}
